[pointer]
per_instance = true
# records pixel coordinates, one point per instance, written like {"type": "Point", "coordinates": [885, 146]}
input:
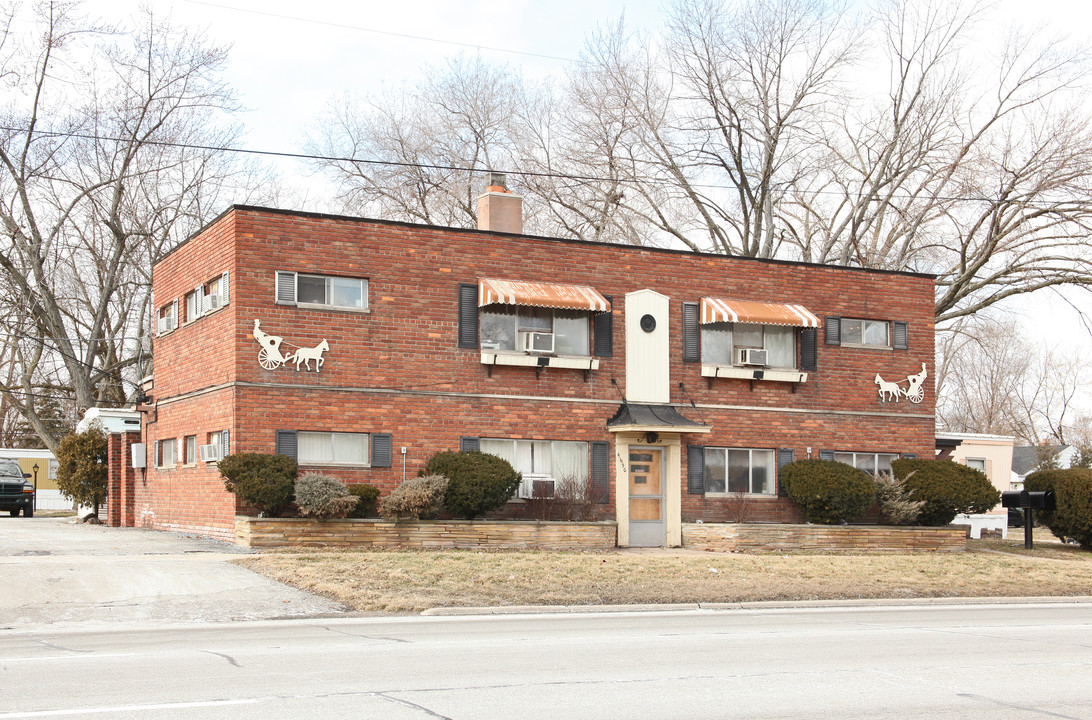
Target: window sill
{"type": "Point", "coordinates": [862, 346]}
{"type": "Point", "coordinates": [742, 373]}
{"type": "Point", "coordinates": [329, 308]}
{"type": "Point", "coordinates": [514, 359]}
{"type": "Point", "coordinates": [165, 333]}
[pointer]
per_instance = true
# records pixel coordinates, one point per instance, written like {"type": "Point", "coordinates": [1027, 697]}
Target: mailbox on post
{"type": "Point", "coordinates": [1028, 501]}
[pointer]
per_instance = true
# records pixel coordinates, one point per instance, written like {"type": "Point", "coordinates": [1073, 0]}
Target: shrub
{"type": "Point", "coordinates": [419, 498]}
{"type": "Point", "coordinates": [82, 473]}
{"type": "Point", "coordinates": [265, 482]}
{"type": "Point", "coordinates": [947, 488]}
{"type": "Point", "coordinates": [828, 491]}
{"type": "Point", "coordinates": [1072, 515]}
{"type": "Point", "coordinates": [897, 506]}
{"type": "Point", "coordinates": [477, 482]}
{"type": "Point", "coordinates": [366, 496]}
{"type": "Point", "coordinates": [323, 496]}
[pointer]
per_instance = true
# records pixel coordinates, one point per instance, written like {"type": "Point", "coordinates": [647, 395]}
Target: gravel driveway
{"type": "Point", "coordinates": [58, 573]}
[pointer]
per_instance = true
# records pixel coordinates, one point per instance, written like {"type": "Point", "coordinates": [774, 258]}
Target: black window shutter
{"type": "Point", "coordinates": [286, 443]}
{"type": "Point", "coordinates": [826, 454]}
{"type": "Point", "coordinates": [604, 331]}
{"type": "Point", "coordinates": [691, 333]}
{"type": "Point", "coordinates": [833, 330]}
{"type": "Point", "coordinates": [695, 469]}
{"type": "Point", "coordinates": [900, 335]}
{"type": "Point", "coordinates": [470, 444]}
{"type": "Point", "coordinates": [784, 457]}
{"type": "Point", "coordinates": [909, 456]}
{"type": "Point", "coordinates": [809, 350]}
{"type": "Point", "coordinates": [381, 450]}
{"type": "Point", "coordinates": [468, 315]}
{"type": "Point", "coordinates": [600, 471]}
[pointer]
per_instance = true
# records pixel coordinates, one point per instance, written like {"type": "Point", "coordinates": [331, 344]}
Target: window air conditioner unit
{"type": "Point", "coordinates": [534, 485]}
{"type": "Point", "coordinates": [748, 356]}
{"type": "Point", "coordinates": [209, 453]}
{"type": "Point", "coordinates": [536, 342]}
{"type": "Point", "coordinates": [212, 302]}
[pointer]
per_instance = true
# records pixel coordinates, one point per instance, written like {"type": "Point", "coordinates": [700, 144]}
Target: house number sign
{"type": "Point", "coordinates": [915, 393]}
{"type": "Point", "coordinates": [270, 356]}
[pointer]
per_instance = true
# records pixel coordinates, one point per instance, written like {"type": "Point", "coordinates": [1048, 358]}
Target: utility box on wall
{"type": "Point", "coordinates": [140, 454]}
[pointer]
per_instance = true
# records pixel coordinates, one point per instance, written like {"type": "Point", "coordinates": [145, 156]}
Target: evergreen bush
{"type": "Point", "coordinates": [265, 482]}
{"type": "Point", "coordinates": [419, 498]}
{"type": "Point", "coordinates": [477, 482]}
{"type": "Point", "coordinates": [897, 505]}
{"type": "Point", "coordinates": [947, 488]}
{"type": "Point", "coordinates": [1072, 515]}
{"type": "Point", "coordinates": [829, 492]}
{"type": "Point", "coordinates": [366, 497]}
{"type": "Point", "coordinates": [323, 496]}
{"type": "Point", "coordinates": [82, 472]}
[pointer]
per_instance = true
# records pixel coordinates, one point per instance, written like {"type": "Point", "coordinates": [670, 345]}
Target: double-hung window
{"type": "Point", "coordinates": [871, 463]}
{"type": "Point", "coordinates": [524, 329]}
{"type": "Point", "coordinates": [332, 448]}
{"type": "Point", "coordinates": [739, 470]}
{"type": "Point", "coordinates": [167, 453]}
{"type": "Point", "coordinates": [510, 318]}
{"type": "Point", "coordinates": [733, 344]}
{"type": "Point", "coordinates": [543, 463]}
{"type": "Point", "coordinates": [867, 333]}
{"type": "Point", "coordinates": [167, 318]}
{"type": "Point", "coordinates": [735, 338]}
{"type": "Point", "coordinates": [190, 442]}
{"type": "Point", "coordinates": [307, 290]}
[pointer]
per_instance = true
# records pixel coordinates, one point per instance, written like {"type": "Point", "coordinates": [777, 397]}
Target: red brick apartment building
{"type": "Point", "coordinates": [676, 382]}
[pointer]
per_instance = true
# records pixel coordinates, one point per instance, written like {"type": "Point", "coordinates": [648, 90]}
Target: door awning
{"type": "Point", "coordinates": [637, 417]}
{"type": "Point", "coordinates": [538, 294]}
{"type": "Point", "coordinates": [716, 310]}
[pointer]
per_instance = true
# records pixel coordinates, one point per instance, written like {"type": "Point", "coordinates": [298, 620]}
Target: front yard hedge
{"type": "Point", "coordinates": [948, 489]}
{"type": "Point", "coordinates": [265, 482]}
{"type": "Point", "coordinates": [477, 482]}
{"type": "Point", "coordinates": [1072, 516]}
{"type": "Point", "coordinates": [829, 492]}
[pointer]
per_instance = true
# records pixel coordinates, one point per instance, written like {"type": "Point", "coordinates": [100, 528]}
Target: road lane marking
{"type": "Point", "coordinates": [126, 708]}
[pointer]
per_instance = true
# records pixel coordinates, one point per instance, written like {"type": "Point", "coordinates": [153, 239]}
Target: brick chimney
{"type": "Point", "coordinates": [499, 209]}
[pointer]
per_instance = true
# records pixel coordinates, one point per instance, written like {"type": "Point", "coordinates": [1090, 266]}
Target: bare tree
{"type": "Point", "coordinates": [411, 154]}
{"type": "Point", "coordinates": [990, 380]}
{"type": "Point", "coordinates": [100, 176]}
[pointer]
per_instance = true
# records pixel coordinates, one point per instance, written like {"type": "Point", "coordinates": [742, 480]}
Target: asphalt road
{"type": "Point", "coordinates": [1010, 661]}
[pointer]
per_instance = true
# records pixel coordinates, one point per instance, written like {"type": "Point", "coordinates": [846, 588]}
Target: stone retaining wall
{"type": "Point", "coordinates": [730, 536]}
{"type": "Point", "coordinates": [425, 534]}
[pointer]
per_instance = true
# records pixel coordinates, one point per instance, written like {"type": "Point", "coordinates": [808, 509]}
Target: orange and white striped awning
{"type": "Point", "coordinates": [716, 310]}
{"type": "Point", "coordinates": [538, 294]}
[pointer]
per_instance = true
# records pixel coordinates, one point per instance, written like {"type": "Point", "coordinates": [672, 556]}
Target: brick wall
{"type": "Point", "coordinates": [397, 368]}
{"type": "Point", "coordinates": [425, 534]}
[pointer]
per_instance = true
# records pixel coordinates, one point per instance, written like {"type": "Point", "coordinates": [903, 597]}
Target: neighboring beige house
{"type": "Point", "coordinates": [992, 454]}
{"type": "Point", "coordinates": [48, 497]}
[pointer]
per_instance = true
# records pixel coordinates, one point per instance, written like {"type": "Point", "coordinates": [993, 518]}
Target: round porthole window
{"type": "Point", "coordinates": [648, 323]}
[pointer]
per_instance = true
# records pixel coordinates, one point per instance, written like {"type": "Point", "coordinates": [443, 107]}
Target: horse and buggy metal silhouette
{"type": "Point", "coordinates": [270, 356]}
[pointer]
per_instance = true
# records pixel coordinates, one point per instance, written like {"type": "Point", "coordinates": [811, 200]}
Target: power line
{"type": "Point", "coordinates": [407, 36]}
{"type": "Point", "coordinates": [456, 168]}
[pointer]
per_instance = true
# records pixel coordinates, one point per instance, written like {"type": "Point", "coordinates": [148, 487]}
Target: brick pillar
{"type": "Point", "coordinates": [115, 466]}
{"type": "Point", "coordinates": [128, 479]}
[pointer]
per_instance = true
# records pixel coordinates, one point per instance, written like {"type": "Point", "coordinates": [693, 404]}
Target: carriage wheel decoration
{"type": "Point", "coordinates": [270, 356]}
{"type": "Point", "coordinates": [914, 392]}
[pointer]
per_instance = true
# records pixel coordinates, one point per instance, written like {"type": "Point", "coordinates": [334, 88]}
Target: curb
{"type": "Point", "coordinates": [757, 605]}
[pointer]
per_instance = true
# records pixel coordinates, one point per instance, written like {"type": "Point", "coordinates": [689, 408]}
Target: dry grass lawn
{"type": "Point", "coordinates": [396, 581]}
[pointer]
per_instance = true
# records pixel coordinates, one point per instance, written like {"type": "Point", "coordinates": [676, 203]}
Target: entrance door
{"type": "Point", "coordinates": [646, 497]}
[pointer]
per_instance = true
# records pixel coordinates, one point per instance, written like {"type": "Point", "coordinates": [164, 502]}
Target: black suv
{"type": "Point", "coordinates": [15, 492]}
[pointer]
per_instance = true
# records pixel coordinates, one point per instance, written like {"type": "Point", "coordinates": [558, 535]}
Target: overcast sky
{"type": "Point", "coordinates": [289, 59]}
